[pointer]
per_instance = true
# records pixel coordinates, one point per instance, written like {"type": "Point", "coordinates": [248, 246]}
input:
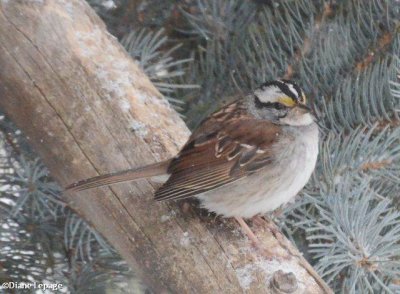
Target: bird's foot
{"type": "Point", "coordinates": [254, 240]}
{"type": "Point", "coordinates": [260, 220]}
{"type": "Point", "coordinates": [249, 233]}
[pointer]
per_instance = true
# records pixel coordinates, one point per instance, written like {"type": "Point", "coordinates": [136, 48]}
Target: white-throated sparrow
{"type": "Point", "coordinates": [249, 157]}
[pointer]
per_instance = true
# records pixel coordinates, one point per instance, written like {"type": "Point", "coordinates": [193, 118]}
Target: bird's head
{"type": "Point", "coordinates": [282, 102]}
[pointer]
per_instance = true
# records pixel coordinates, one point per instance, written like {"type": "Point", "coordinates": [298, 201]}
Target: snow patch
{"type": "Point", "coordinates": [185, 240]}
{"type": "Point", "coordinates": [141, 97]}
{"type": "Point", "coordinates": [337, 179]}
{"type": "Point", "coordinates": [109, 4]}
{"type": "Point", "coordinates": [83, 39]}
{"type": "Point", "coordinates": [111, 70]}
{"type": "Point", "coordinates": [246, 274]}
{"type": "Point", "coordinates": [164, 218]}
{"type": "Point", "coordinates": [113, 86]}
{"type": "Point", "coordinates": [69, 8]}
{"type": "Point", "coordinates": [124, 105]}
{"type": "Point", "coordinates": [170, 215]}
{"type": "Point", "coordinates": [32, 1]}
{"type": "Point", "coordinates": [139, 128]}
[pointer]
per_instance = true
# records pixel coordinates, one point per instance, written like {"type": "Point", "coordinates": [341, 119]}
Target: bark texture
{"type": "Point", "coordinates": [88, 109]}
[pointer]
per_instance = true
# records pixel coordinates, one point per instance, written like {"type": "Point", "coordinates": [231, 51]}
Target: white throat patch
{"type": "Point", "coordinates": [299, 120]}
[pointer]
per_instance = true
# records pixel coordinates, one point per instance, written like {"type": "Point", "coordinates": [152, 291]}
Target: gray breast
{"type": "Point", "coordinates": [273, 186]}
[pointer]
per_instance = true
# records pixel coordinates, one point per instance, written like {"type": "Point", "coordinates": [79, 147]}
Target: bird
{"type": "Point", "coordinates": [248, 158]}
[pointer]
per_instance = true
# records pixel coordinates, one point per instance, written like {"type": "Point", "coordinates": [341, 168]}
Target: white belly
{"type": "Point", "coordinates": [270, 188]}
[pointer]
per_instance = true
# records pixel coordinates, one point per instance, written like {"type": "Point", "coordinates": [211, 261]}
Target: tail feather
{"type": "Point", "coordinates": [156, 169]}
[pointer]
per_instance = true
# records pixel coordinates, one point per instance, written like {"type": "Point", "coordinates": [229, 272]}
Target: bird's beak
{"type": "Point", "coordinates": [305, 107]}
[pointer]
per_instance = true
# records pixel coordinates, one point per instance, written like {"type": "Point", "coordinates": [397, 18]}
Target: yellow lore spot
{"type": "Point", "coordinates": [287, 101]}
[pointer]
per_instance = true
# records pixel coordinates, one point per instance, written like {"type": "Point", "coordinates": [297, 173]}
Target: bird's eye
{"type": "Point", "coordinates": [275, 105]}
{"type": "Point", "coordinates": [278, 106]}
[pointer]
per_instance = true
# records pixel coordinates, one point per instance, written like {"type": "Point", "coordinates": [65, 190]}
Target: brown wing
{"type": "Point", "coordinates": [227, 146]}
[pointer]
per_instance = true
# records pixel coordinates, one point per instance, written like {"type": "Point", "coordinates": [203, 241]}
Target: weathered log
{"type": "Point", "coordinates": [88, 109]}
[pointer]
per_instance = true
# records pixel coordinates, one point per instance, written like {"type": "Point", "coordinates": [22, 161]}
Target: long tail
{"type": "Point", "coordinates": [156, 169]}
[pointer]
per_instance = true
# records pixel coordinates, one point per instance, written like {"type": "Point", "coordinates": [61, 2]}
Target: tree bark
{"type": "Point", "coordinates": [88, 109]}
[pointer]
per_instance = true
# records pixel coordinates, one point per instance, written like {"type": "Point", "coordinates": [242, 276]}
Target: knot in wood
{"type": "Point", "coordinates": [282, 282]}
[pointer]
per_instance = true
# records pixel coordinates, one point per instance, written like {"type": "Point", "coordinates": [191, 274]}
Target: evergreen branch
{"type": "Point", "coordinates": [27, 248]}
{"type": "Point", "coordinates": [383, 44]}
{"type": "Point", "coordinates": [364, 98]}
{"type": "Point", "coordinates": [373, 153]}
{"type": "Point", "coordinates": [34, 190]}
{"type": "Point", "coordinates": [306, 47]}
{"type": "Point", "coordinates": [104, 273]}
{"type": "Point", "coordinates": [363, 241]}
{"type": "Point", "coordinates": [81, 241]}
{"type": "Point", "coordinates": [148, 49]}
{"type": "Point", "coordinates": [31, 233]}
{"type": "Point", "coordinates": [270, 29]}
{"type": "Point", "coordinates": [219, 20]}
{"type": "Point", "coordinates": [335, 49]}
